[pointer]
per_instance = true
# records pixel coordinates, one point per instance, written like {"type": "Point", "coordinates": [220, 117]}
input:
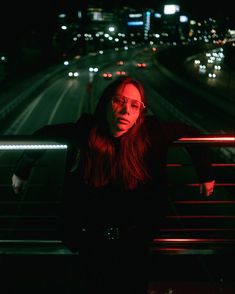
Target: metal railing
{"type": "Point", "coordinates": [196, 225]}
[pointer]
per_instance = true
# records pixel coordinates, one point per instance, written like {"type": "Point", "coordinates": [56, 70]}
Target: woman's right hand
{"type": "Point", "coordinates": [17, 184]}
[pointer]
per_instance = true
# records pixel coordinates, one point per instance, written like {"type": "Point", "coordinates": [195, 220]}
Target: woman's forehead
{"type": "Point", "coordinates": [130, 91]}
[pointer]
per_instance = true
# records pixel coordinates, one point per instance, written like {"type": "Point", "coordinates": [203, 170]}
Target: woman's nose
{"type": "Point", "coordinates": [126, 108]}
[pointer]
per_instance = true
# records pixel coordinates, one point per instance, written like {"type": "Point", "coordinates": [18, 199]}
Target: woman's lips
{"type": "Point", "coordinates": [123, 120]}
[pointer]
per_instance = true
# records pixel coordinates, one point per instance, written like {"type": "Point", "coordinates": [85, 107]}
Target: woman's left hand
{"type": "Point", "coordinates": [207, 188]}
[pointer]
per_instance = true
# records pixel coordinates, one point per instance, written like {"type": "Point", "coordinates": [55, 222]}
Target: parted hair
{"type": "Point", "coordinates": [107, 162]}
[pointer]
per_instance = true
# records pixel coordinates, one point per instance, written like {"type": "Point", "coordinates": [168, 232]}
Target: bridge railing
{"type": "Point", "coordinates": [196, 224]}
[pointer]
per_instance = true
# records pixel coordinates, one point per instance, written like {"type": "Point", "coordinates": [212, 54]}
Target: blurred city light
{"type": "Point", "coordinates": [171, 8]}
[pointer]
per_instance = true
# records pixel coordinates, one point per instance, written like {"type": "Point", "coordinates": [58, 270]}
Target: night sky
{"type": "Point", "coordinates": [19, 16]}
{"type": "Point", "coordinates": [194, 7]}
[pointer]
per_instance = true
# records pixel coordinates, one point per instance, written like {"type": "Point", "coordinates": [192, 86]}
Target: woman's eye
{"type": "Point", "coordinates": [118, 101]}
{"type": "Point", "coordinates": [121, 101]}
{"type": "Point", "coordinates": [134, 105]}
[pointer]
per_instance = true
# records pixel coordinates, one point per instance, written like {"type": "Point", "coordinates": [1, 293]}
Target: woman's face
{"type": "Point", "coordinates": [124, 109]}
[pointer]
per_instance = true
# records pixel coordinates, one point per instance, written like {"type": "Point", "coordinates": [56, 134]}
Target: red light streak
{"type": "Point", "coordinates": [223, 164]}
{"type": "Point", "coordinates": [213, 164]}
{"type": "Point", "coordinates": [216, 184]}
{"type": "Point", "coordinates": [171, 249]}
{"type": "Point", "coordinates": [197, 230]}
{"type": "Point", "coordinates": [201, 216]}
{"type": "Point", "coordinates": [193, 240]}
{"type": "Point", "coordinates": [205, 202]}
{"type": "Point", "coordinates": [208, 139]}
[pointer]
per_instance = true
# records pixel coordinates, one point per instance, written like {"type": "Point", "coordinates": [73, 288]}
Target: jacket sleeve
{"type": "Point", "coordinates": [28, 158]}
{"type": "Point", "coordinates": [67, 133]}
{"type": "Point", "coordinates": [201, 156]}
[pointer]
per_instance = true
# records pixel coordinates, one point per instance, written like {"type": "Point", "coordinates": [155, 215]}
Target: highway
{"type": "Point", "coordinates": [61, 99]}
{"type": "Point", "coordinates": [197, 242]}
{"type": "Point", "coordinates": [64, 99]}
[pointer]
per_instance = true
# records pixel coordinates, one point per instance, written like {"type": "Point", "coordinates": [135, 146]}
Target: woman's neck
{"type": "Point", "coordinates": [116, 133]}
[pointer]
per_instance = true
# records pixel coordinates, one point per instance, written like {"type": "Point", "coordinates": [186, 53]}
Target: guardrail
{"type": "Point", "coordinates": [197, 225]}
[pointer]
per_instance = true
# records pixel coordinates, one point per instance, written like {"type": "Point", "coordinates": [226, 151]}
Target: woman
{"type": "Point", "coordinates": [115, 188]}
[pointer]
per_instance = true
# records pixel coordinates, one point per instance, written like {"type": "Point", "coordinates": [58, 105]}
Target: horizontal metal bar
{"type": "Point", "coordinates": [197, 229]}
{"type": "Point", "coordinates": [194, 240]}
{"type": "Point", "coordinates": [215, 139]}
{"type": "Point", "coordinates": [205, 202]}
{"type": "Point", "coordinates": [201, 216]}
{"type": "Point", "coordinates": [30, 140]}
{"type": "Point", "coordinates": [212, 164]}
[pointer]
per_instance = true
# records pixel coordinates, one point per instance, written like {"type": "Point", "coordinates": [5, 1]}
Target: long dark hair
{"type": "Point", "coordinates": [105, 162]}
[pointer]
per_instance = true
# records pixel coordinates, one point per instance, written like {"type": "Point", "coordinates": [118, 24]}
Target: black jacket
{"type": "Point", "coordinates": [112, 204]}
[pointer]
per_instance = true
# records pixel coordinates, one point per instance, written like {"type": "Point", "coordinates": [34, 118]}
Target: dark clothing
{"type": "Point", "coordinates": [137, 213]}
{"type": "Point", "coordinates": [160, 134]}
